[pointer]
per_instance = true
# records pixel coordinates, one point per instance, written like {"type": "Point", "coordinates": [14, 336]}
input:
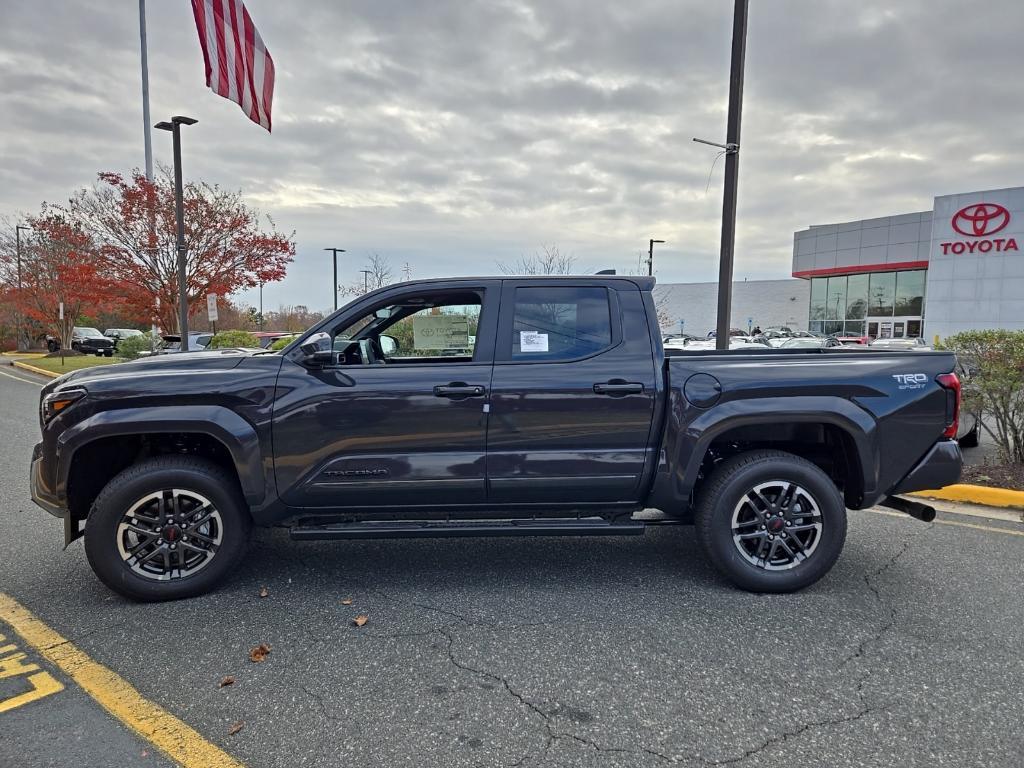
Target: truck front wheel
{"type": "Point", "coordinates": [771, 521]}
{"type": "Point", "coordinates": [167, 528]}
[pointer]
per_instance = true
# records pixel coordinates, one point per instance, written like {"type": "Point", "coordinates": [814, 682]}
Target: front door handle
{"type": "Point", "coordinates": [619, 388]}
{"type": "Point", "coordinates": [459, 389]}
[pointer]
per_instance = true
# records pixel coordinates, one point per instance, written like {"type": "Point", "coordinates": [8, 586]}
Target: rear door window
{"type": "Point", "coordinates": [560, 323]}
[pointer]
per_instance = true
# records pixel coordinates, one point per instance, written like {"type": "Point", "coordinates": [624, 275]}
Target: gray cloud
{"type": "Point", "coordinates": [455, 134]}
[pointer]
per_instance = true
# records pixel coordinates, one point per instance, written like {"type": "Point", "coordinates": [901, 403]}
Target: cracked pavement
{"type": "Point", "coordinates": [543, 652]}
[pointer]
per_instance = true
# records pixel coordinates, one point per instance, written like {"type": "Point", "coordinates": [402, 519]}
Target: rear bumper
{"type": "Point", "coordinates": [940, 467]}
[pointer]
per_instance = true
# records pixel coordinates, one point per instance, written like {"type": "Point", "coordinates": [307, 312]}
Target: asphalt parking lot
{"type": "Point", "coordinates": [531, 652]}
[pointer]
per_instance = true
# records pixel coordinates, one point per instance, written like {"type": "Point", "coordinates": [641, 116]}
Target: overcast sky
{"type": "Point", "coordinates": [454, 134]}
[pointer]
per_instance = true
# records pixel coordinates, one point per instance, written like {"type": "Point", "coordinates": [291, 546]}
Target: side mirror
{"type": "Point", "coordinates": [388, 345]}
{"type": "Point", "coordinates": [319, 348]}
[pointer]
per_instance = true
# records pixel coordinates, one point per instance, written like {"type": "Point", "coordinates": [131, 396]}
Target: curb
{"type": "Point", "coordinates": [40, 371]}
{"type": "Point", "coordinates": [977, 494]}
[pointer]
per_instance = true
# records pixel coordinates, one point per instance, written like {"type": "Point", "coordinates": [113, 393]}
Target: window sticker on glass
{"type": "Point", "coordinates": [533, 341]}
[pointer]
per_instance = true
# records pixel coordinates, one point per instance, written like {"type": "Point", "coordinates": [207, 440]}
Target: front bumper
{"type": "Point", "coordinates": [940, 467]}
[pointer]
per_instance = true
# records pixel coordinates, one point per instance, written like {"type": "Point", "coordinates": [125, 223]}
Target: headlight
{"type": "Point", "coordinates": [56, 403]}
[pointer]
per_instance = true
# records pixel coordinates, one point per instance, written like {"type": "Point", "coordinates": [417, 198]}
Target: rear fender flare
{"type": "Point", "coordinates": [230, 429]}
{"type": "Point", "coordinates": [703, 430]}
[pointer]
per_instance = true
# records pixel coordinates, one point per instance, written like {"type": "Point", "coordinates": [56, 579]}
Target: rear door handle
{"type": "Point", "coordinates": [619, 388]}
{"type": "Point", "coordinates": [458, 389]}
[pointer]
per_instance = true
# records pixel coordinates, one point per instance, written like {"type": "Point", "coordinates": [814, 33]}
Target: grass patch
{"type": "Point", "coordinates": [53, 364]}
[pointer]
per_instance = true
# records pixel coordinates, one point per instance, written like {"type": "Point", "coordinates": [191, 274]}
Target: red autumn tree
{"type": "Point", "coordinates": [133, 221]}
{"type": "Point", "coordinates": [59, 264]}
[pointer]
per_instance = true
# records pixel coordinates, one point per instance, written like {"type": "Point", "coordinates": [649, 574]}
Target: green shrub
{"type": "Point", "coordinates": [281, 343]}
{"type": "Point", "coordinates": [228, 339]}
{"type": "Point", "coordinates": [130, 348]}
{"type": "Point", "coordinates": [994, 384]}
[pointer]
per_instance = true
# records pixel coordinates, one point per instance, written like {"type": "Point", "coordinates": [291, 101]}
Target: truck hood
{"type": "Point", "coordinates": [217, 359]}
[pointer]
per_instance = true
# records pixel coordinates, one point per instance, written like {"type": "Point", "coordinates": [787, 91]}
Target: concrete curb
{"type": "Point", "coordinates": [977, 494]}
{"type": "Point", "coordinates": [40, 371]}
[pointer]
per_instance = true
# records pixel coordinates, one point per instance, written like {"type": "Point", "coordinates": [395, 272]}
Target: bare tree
{"type": "Point", "coordinates": [547, 261]}
{"type": "Point", "coordinates": [378, 274]}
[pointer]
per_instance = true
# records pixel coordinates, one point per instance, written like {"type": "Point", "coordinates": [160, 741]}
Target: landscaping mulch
{"type": "Point", "coordinates": [995, 475]}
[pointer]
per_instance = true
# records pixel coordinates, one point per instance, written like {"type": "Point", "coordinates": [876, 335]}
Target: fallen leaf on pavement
{"type": "Point", "coordinates": [236, 728]}
{"type": "Point", "coordinates": [347, 601]}
{"type": "Point", "coordinates": [264, 591]}
{"type": "Point", "coordinates": [259, 653]}
{"type": "Point", "coordinates": [360, 620]}
{"type": "Point", "coordinates": [226, 680]}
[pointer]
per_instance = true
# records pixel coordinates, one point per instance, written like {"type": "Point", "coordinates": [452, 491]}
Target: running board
{"type": "Point", "coordinates": [406, 529]}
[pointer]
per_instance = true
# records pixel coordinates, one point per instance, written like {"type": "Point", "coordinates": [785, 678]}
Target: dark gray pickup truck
{"type": "Point", "coordinates": [489, 406]}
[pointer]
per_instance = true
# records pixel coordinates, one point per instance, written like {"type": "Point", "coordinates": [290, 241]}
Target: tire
{"type": "Point", "coordinates": [147, 491]}
{"type": "Point", "coordinates": [728, 521]}
{"type": "Point", "coordinates": [74, 348]}
{"type": "Point", "coordinates": [108, 354]}
{"type": "Point", "coordinates": [970, 440]}
{"type": "Point", "coordinates": [52, 346]}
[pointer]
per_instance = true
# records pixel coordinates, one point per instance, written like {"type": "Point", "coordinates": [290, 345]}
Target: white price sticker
{"type": "Point", "coordinates": [533, 341]}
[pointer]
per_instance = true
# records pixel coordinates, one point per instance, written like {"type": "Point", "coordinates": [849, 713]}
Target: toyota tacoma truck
{"type": "Point", "coordinates": [489, 407]}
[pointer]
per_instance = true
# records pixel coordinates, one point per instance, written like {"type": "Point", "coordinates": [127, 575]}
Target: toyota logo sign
{"type": "Point", "coordinates": [980, 219]}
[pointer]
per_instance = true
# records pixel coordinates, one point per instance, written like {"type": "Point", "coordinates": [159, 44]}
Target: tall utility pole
{"type": "Point", "coordinates": [147, 137]}
{"type": "Point", "coordinates": [17, 323]}
{"type": "Point", "coordinates": [732, 172]}
{"type": "Point", "coordinates": [366, 275]}
{"type": "Point", "coordinates": [335, 251]}
{"type": "Point", "coordinates": [179, 210]}
{"type": "Point", "coordinates": [650, 257]}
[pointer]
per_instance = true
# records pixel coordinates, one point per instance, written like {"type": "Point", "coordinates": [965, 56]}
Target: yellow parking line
{"type": "Point", "coordinates": [112, 692]}
{"type": "Point", "coordinates": [1007, 531]}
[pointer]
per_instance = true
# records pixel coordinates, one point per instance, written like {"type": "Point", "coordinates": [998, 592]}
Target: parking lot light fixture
{"type": "Point", "coordinates": [174, 126]}
{"type": "Point", "coordinates": [335, 251]}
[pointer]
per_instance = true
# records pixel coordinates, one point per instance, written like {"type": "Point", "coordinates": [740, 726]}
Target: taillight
{"type": "Point", "coordinates": [951, 383]}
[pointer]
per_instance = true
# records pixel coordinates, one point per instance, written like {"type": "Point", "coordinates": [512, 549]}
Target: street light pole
{"type": "Point", "coordinates": [732, 172]}
{"type": "Point", "coordinates": [179, 210]}
{"type": "Point", "coordinates": [650, 257]}
{"type": "Point", "coordinates": [335, 251]}
{"type": "Point", "coordinates": [18, 329]}
{"type": "Point", "coordinates": [261, 305]}
{"type": "Point", "coordinates": [366, 276]}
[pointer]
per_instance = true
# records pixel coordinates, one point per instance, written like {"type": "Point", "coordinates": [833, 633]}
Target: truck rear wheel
{"type": "Point", "coordinates": [770, 521]}
{"type": "Point", "coordinates": [167, 528]}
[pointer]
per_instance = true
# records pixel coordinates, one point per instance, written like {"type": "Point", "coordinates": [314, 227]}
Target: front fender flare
{"type": "Point", "coordinates": [230, 429]}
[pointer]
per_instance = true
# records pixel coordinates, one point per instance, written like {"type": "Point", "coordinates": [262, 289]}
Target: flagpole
{"type": "Point", "coordinates": [148, 138]}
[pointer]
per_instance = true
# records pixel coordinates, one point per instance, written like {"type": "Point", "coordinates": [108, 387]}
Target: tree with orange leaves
{"type": "Point", "coordinates": [132, 220]}
{"type": "Point", "coordinates": [60, 264]}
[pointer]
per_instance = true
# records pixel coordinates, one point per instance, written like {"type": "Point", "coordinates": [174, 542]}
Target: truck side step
{"type": "Point", "coordinates": [414, 529]}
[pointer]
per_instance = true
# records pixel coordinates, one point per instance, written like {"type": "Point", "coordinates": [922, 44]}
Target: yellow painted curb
{"type": "Point", "coordinates": [977, 494]}
{"type": "Point", "coordinates": [40, 371]}
{"type": "Point", "coordinates": [160, 728]}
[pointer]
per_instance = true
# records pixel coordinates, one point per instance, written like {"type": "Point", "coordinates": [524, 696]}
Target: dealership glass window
{"type": "Point", "coordinates": [833, 326]}
{"type": "Point", "coordinates": [913, 329]}
{"type": "Point", "coordinates": [881, 294]}
{"type": "Point", "coordinates": [856, 297]}
{"type": "Point", "coordinates": [910, 292]}
{"type": "Point", "coordinates": [835, 300]}
{"type": "Point", "coordinates": [853, 328]}
{"type": "Point", "coordinates": [819, 289]}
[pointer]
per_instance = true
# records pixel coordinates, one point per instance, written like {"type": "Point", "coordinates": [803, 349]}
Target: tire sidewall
{"type": "Point", "coordinates": [718, 529]}
{"type": "Point", "coordinates": [135, 483]}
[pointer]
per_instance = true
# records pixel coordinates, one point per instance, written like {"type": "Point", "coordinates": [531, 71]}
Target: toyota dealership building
{"type": "Point", "coordinates": [929, 274]}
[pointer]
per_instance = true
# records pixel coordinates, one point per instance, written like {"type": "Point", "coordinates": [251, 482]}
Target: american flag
{"type": "Point", "coordinates": [238, 65]}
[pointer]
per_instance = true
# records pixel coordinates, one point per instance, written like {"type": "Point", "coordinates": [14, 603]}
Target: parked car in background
{"type": "Point", "coordinates": [266, 338]}
{"type": "Point", "coordinates": [116, 334]}
{"type": "Point", "coordinates": [197, 342]}
{"type": "Point", "coordinates": [914, 345]}
{"type": "Point", "coordinates": [808, 342]}
{"type": "Point", "coordinates": [850, 340]}
{"type": "Point", "coordinates": [88, 341]}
